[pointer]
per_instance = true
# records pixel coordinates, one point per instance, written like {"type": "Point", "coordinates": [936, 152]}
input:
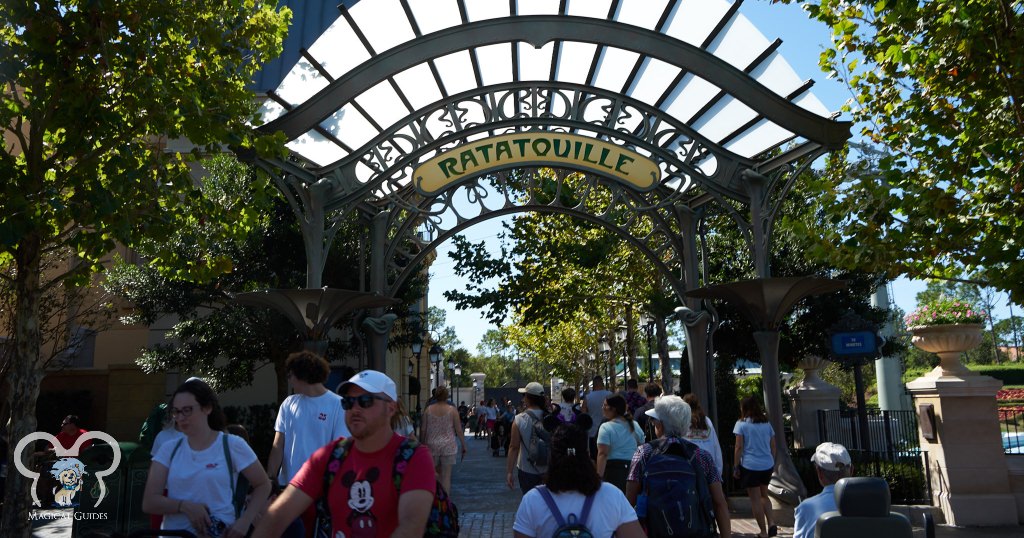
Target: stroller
{"type": "Point", "coordinates": [501, 437]}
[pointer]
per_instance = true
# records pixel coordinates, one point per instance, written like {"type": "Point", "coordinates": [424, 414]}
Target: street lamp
{"type": "Point", "coordinates": [436, 353]}
{"type": "Point", "coordinates": [621, 333]}
{"type": "Point", "coordinates": [647, 321]}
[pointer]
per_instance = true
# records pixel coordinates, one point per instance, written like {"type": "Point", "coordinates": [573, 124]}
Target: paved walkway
{"type": "Point", "coordinates": [487, 507]}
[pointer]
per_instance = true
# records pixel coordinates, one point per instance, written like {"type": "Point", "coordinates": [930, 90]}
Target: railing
{"type": "Point", "coordinates": [893, 433]}
{"type": "Point", "coordinates": [1011, 423]}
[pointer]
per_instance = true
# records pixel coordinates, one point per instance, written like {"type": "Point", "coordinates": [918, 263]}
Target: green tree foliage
{"type": "Point", "coordinates": [938, 92]}
{"type": "Point", "coordinates": [92, 92]}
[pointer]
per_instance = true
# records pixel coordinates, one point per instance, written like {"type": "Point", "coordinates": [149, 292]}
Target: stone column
{"type": "Point", "coordinates": [969, 473]}
{"type": "Point", "coordinates": [813, 394]}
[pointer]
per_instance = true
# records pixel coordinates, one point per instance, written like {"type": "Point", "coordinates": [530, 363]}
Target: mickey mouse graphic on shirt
{"type": "Point", "coordinates": [361, 522]}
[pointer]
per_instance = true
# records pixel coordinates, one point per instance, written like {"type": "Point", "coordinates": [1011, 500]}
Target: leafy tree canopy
{"type": "Point", "coordinates": [939, 94]}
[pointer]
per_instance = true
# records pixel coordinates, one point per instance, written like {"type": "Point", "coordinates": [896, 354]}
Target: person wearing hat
{"type": "Point", "coordinates": [524, 427]}
{"type": "Point", "coordinates": [362, 497]}
{"type": "Point", "coordinates": [832, 462]}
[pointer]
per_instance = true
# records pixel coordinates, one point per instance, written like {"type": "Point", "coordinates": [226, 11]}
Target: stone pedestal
{"type": "Point", "coordinates": [810, 396]}
{"type": "Point", "coordinates": [969, 473]}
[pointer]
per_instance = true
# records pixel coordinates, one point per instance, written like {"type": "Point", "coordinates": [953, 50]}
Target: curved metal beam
{"type": "Point", "coordinates": [541, 29]}
{"type": "Point", "coordinates": [677, 286]}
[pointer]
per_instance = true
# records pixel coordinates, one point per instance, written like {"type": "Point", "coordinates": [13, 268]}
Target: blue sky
{"type": "Point", "coordinates": [803, 40]}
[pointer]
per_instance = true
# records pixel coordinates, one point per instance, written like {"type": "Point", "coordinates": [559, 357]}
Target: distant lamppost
{"type": "Point", "coordinates": [417, 348]}
{"type": "Point", "coordinates": [647, 321]}
{"type": "Point", "coordinates": [604, 351]}
{"type": "Point", "coordinates": [621, 332]}
{"type": "Point", "coordinates": [436, 355]}
{"type": "Point", "coordinates": [456, 371]}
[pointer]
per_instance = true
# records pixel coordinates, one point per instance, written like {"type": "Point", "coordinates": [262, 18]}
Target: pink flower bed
{"type": "Point", "coordinates": [1009, 411]}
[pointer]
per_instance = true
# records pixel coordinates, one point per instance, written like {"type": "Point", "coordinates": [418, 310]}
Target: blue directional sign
{"type": "Point", "coordinates": [846, 344]}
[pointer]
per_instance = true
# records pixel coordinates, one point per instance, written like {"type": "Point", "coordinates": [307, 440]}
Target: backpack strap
{"type": "Point", "coordinates": [175, 451]}
{"type": "Point", "coordinates": [231, 473]}
{"type": "Point", "coordinates": [323, 513]}
{"type": "Point", "coordinates": [404, 453]}
{"type": "Point", "coordinates": [586, 509]}
{"type": "Point", "coordinates": [550, 501]}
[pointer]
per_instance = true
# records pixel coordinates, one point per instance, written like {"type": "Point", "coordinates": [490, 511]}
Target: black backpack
{"type": "Point", "coordinates": [677, 495]}
{"type": "Point", "coordinates": [574, 527]}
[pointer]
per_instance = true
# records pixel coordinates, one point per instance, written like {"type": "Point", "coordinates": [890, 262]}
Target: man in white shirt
{"type": "Point", "coordinates": [307, 420]}
{"type": "Point", "coordinates": [593, 404]}
{"type": "Point", "coordinates": [832, 462]}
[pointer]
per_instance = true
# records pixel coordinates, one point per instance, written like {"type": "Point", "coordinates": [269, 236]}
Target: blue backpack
{"type": "Point", "coordinates": [573, 527]}
{"type": "Point", "coordinates": [676, 492]}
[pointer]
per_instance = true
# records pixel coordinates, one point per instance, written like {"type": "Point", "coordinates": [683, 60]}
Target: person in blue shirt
{"type": "Point", "coordinates": [754, 459]}
{"type": "Point", "coordinates": [832, 463]}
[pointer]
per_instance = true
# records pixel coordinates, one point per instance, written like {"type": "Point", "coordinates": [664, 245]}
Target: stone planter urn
{"type": "Point", "coordinates": [811, 364]}
{"type": "Point", "coordinates": [948, 342]}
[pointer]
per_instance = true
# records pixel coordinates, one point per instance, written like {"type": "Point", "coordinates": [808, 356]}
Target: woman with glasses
{"type": "Point", "coordinates": [192, 481]}
{"type": "Point", "coordinates": [439, 429]}
{"type": "Point", "coordinates": [617, 440]}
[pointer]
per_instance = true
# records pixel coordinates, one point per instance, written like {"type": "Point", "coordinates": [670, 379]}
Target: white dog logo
{"type": "Point", "coordinates": [67, 454]}
{"type": "Point", "coordinates": [69, 473]}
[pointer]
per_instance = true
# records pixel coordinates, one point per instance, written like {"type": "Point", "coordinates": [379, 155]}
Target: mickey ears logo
{"type": "Point", "coordinates": [67, 455]}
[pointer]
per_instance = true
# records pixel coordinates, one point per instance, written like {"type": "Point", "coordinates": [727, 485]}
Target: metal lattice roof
{"type": "Point", "coordinates": [380, 68]}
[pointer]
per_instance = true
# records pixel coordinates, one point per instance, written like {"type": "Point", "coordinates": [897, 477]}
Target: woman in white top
{"type": "Point", "coordinates": [196, 475]}
{"type": "Point", "coordinates": [755, 461]}
{"type": "Point", "coordinates": [702, 432]}
{"type": "Point", "coordinates": [617, 440]}
{"type": "Point", "coordinates": [571, 479]}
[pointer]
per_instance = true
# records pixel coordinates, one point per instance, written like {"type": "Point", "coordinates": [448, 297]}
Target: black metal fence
{"type": "Point", "coordinates": [1011, 423]}
{"type": "Point", "coordinates": [893, 433]}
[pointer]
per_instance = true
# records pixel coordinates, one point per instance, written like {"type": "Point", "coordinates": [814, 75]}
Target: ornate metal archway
{"type": "Point", "coordinates": [393, 87]}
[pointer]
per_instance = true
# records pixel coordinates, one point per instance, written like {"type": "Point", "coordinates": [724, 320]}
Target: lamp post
{"type": "Point", "coordinates": [417, 348]}
{"type": "Point", "coordinates": [621, 333]}
{"type": "Point", "coordinates": [436, 355]}
{"type": "Point", "coordinates": [455, 370]}
{"type": "Point", "coordinates": [647, 321]}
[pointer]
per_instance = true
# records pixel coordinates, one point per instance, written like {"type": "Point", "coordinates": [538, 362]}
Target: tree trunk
{"type": "Point", "coordinates": [666, 362]}
{"type": "Point", "coordinates": [25, 375]}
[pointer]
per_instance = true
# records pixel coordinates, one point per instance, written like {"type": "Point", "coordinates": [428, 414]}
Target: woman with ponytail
{"type": "Point", "coordinates": [570, 484]}
{"type": "Point", "coordinates": [617, 440]}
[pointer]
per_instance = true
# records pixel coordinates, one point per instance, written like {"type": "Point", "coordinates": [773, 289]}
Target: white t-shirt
{"type": "Point", "coordinates": [708, 440]}
{"type": "Point", "coordinates": [163, 436]}
{"type": "Point", "coordinates": [609, 511]}
{"type": "Point", "coordinates": [308, 423]}
{"type": "Point", "coordinates": [203, 477]}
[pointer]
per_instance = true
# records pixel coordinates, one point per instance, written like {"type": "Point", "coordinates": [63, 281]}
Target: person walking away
{"type": "Point", "coordinates": [652, 391]}
{"type": "Point", "coordinates": [463, 413]}
{"type": "Point", "coordinates": [480, 416]}
{"type": "Point", "coordinates": [566, 411]}
{"type": "Point", "coordinates": [632, 395]}
{"type": "Point", "coordinates": [755, 460]}
{"type": "Point", "coordinates": [702, 432]}
{"type": "Point", "coordinates": [593, 405]}
{"type": "Point", "coordinates": [199, 472]}
{"type": "Point", "coordinates": [617, 440]}
{"type": "Point", "coordinates": [528, 449]}
{"type": "Point", "coordinates": [363, 497]}
{"type": "Point", "coordinates": [573, 487]}
{"type": "Point", "coordinates": [671, 462]}
{"type": "Point", "coordinates": [831, 463]}
{"type": "Point", "coordinates": [439, 430]}
{"type": "Point", "coordinates": [491, 414]}
{"type": "Point", "coordinates": [401, 423]}
{"type": "Point", "coordinates": [306, 421]}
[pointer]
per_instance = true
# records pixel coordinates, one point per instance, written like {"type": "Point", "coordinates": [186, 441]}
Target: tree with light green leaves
{"type": "Point", "coordinates": [93, 93]}
{"type": "Point", "coordinates": [938, 93]}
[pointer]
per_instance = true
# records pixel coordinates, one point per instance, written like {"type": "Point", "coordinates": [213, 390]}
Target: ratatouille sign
{"type": "Point", "coordinates": [532, 149]}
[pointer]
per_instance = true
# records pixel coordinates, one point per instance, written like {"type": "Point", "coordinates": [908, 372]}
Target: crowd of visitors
{"type": "Point", "coordinates": [349, 463]}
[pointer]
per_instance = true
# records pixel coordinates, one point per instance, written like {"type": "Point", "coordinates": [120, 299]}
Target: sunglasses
{"type": "Point", "coordinates": [365, 401]}
{"type": "Point", "coordinates": [184, 411]}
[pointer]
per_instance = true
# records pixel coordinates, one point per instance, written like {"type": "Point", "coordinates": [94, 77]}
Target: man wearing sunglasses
{"type": "Point", "coordinates": [362, 497]}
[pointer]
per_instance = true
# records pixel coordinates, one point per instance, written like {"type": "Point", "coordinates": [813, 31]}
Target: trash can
{"type": "Point", "coordinates": [120, 511]}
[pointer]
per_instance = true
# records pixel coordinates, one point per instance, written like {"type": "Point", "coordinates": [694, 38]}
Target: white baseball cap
{"type": "Point", "coordinates": [653, 414]}
{"type": "Point", "coordinates": [534, 388]}
{"type": "Point", "coordinates": [831, 457]}
{"type": "Point", "coordinates": [371, 381]}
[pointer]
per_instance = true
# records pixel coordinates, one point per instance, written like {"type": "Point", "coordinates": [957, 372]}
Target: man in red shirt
{"type": "Point", "coordinates": [362, 499]}
{"type": "Point", "coordinates": [70, 432]}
